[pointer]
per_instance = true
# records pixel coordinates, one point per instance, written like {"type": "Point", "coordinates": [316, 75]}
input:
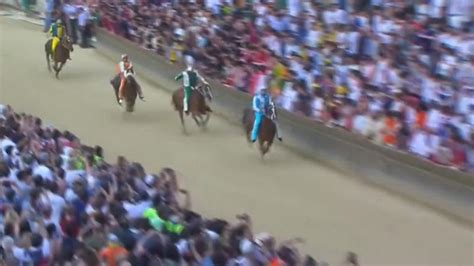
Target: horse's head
{"type": "Point", "coordinates": [67, 43]}
{"type": "Point", "coordinates": [206, 91]}
{"type": "Point", "coordinates": [130, 77]}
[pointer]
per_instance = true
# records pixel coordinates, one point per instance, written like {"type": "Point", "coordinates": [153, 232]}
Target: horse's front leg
{"type": "Point", "coordinates": [47, 61]}
{"type": "Point", "coordinates": [195, 117]}
{"type": "Point", "coordinates": [59, 69]}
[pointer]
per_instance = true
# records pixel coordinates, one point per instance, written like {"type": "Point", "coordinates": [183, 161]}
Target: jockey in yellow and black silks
{"type": "Point", "coordinates": [56, 32]}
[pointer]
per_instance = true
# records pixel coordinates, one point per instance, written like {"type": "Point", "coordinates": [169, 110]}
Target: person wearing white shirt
{"type": "Point", "coordinates": [330, 16]}
{"type": "Point", "coordinates": [317, 107]}
{"type": "Point", "coordinates": [288, 97]}
{"type": "Point", "coordinates": [419, 144]}
{"type": "Point", "coordinates": [360, 123]}
{"type": "Point", "coordinates": [312, 39]}
{"type": "Point", "coordinates": [434, 119]}
{"type": "Point", "coordinates": [84, 26]}
{"type": "Point", "coordinates": [465, 100]}
{"type": "Point", "coordinates": [436, 8]}
{"type": "Point", "coordinates": [352, 45]}
{"type": "Point", "coordinates": [136, 210]}
{"type": "Point", "coordinates": [457, 12]}
{"type": "Point", "coordinates": [294, 7]}
{"type": "Point", "coordinates": [57, 205]}
{"type": "Point", "coordinates": [71, 12]}
{"type": "Point", "coordinates": [43, 171]}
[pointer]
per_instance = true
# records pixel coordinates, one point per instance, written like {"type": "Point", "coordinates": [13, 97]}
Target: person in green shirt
{"type": "Point", "coordinates": [190, 79]}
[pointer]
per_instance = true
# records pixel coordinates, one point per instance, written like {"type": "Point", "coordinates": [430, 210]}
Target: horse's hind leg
{"type": "Point", "coordinates": [206, 120]}
{"type": "Point", "coordinates": [195, 117]}
{"type": "Point", "coordinates": [55, 66]}
{"type": "Point", "coordinates": [264, 147]}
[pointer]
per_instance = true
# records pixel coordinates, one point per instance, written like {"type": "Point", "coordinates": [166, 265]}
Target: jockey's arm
{"type": "Point", "coordinates": [179, 76]}
{"type": "Point", "coordinates": [51, 30]}
{"type": "Point", "coordinates": [203, 80]}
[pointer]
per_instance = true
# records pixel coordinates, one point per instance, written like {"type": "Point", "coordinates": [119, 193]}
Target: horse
{"type": "Point", "coordinates": [130, 90]}
{"type": "Point", "coordinates": [61, 54]}
{"type": "Point", "coordinates": [198, 107]}
{"type": "Point", "coordinates": [267, 130]}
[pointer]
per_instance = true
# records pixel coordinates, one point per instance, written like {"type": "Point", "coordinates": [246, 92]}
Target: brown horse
{"type": "Point", "coordinates": [130, 92]}
{"type": "Point", "coordinates": [61, 55]}
{"type": "Point", "coordinates": [266, 132]}
{"type": "Point", "coordinates": [198, 107]}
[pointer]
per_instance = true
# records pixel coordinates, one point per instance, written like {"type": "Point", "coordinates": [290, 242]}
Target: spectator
{"type": "Point", "coordinates": [84, 24]}
{"type": "Point", "coordinates": [71, 12]}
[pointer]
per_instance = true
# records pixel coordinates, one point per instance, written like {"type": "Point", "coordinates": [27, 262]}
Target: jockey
{"type": "Point", "coordinates": [190, 78]}
{"type": "Point", "coordinates": [262, 102]}
{"type": "Point", "coordinates": [56, 32]}
{"type": "Point", "coordinates": [125, 66]}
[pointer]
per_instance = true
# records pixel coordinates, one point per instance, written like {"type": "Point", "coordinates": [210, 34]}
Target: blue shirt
{"type": "Point", "coordinates": [260, 102]}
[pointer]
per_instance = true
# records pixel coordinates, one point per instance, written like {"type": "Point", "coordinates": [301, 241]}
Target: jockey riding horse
{"type": "Point", "coordinates": [56, 32]}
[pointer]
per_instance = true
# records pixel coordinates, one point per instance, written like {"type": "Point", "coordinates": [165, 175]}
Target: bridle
{"type": "Point", "coordinates": [205, 91]}
{"type": "Point", "coordinates": [63, 44]}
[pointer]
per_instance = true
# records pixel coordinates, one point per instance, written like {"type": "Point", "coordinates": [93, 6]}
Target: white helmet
{"type": "Point", "coordinates": [124, 56]}
{"type": "Point", "coordinates": [189, 61]}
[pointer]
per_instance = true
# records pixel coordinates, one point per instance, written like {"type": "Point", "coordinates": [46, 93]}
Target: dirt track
{"type": "Point", "coordinates": [288, 196]}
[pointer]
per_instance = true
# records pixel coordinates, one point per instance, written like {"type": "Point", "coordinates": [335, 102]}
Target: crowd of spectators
{"type": "Point", "coordinates": [78, 16]}
{"type": "Point", "coordinates": [61, 203]}
{"type": "Point", "coordinates": [398, 72]}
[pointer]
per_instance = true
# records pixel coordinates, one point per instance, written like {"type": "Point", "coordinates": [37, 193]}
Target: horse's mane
{"type": "Point", "coordinates": [132, 79]}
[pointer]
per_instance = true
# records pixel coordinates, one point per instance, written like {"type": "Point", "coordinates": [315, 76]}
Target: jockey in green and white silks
{"type": "Point", "coordinates": [261, 103]}
{"type": "Point", "coordinates": [190, 79]}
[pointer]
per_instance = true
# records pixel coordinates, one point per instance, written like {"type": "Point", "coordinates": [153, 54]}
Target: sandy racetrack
{"type": "Point", "coordinates": [288, 196]}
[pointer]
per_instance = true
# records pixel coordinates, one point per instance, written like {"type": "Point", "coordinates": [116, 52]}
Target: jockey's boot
{"type": "Point", "coordinates": [185, 108]}
{"type": "Point", "coordinates": [120, 101]}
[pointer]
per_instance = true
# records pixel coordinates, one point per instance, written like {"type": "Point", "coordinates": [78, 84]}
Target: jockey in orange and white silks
{"type": "Point", "coordinates": [123, 69]}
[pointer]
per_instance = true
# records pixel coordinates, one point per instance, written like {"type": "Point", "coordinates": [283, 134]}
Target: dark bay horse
{"type": "Point", "coordinates": [266, 132]}
{"type": "Point", "coordinates": [198, 107]}
{"type": "Point", "coordinates": [61, 55]}
{"type": "Point", "coordinates": [130, 92]}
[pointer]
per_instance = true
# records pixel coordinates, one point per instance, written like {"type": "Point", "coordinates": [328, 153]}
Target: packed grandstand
{"type": "Point", "coordinates": [396, 72]}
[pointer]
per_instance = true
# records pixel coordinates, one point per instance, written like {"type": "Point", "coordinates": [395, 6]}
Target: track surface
{"type": "Point", "coordinates": [287, 196]}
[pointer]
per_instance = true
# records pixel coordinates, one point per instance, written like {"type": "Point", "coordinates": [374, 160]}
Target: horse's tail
{"type": "Point", "coordinates": [174, 100]}
{"type": "Point", "coordinates": [245, 116]}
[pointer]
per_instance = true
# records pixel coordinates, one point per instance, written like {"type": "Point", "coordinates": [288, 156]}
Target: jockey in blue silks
{"type": "Point", "coordinates": [260, 104]}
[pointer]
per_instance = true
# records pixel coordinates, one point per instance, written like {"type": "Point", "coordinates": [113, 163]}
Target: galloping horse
{"type": "Point", "coordinates": [267, 130]}
{"type": "Point", "coordinates": [61, 55]}
{"type": "Point", "coordinates": [130, 90]}
{"type": "Point", "coordinates": [198, 107]}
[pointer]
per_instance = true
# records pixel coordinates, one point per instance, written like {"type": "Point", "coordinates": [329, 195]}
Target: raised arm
{"type": "Point", "coordinates": [179, 76]}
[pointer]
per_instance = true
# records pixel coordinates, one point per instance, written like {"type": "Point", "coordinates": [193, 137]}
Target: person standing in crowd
{"type": "Point", "coordinates": [48, 14]}
{"type": "Point", "coordinates": [84, 27]}
{"type": "Point", "coordinates": [70, 12]}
